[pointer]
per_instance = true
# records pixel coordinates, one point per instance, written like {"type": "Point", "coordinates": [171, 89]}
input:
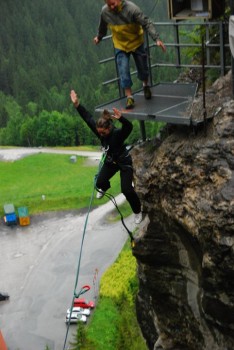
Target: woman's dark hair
{"type": "Point", "coordinates": [105, 121]}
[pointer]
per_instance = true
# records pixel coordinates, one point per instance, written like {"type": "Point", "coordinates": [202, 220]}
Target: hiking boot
{"type": "Point", "coordinates": [138, 218]}
{"type": "Point", "coordinates": [147, 92]}
{"type": "Point", "coordinates": [130, 102]}
{"type": "Point", "coordinates": [100, 193]}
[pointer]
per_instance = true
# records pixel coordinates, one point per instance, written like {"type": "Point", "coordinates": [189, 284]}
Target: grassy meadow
{"type": "Point", "coordinates": [63, 184]}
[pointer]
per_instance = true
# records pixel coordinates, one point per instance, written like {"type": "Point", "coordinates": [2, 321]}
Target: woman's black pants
{"type": "Point", "coordinates": [108, 170]}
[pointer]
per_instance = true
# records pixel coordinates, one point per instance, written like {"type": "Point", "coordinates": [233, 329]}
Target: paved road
{"type": "Point", "coordinates": [38, 270]}
{"type": "Point", "coordinates": [17, 153]}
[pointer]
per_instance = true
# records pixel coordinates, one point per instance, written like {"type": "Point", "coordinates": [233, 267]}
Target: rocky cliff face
{"type": "Point", "coordinates": [185, 245]}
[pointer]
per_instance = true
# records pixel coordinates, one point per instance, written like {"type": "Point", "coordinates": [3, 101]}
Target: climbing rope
{"type": "Point", "coordinates": [113, 200]}
{"type": "Point", "coordinates": [84, 289]}
{"type": "Point", "coordinates": [75, 294]}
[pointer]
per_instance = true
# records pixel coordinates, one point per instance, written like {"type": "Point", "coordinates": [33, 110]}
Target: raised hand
{"type": "Point", "coordinates": [117, 114]}
{"type": "Point", "coordinates": [74, 98]}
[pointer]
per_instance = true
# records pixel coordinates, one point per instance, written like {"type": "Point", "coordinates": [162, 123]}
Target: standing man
{"type": "Point", "coordinates": [127, 23]}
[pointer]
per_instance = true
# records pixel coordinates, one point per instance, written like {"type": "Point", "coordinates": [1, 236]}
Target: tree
{"type": "Point", "coordinates": [80, 340]}
{"type": "Point", "coordinates": [28, 132]}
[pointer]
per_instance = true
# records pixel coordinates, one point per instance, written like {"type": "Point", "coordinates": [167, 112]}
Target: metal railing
{"type": "Point", "coordinates": [218, 41]}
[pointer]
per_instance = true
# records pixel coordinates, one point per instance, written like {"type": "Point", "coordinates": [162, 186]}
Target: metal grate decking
{"type": "Point", "coordinates": [170, 103]}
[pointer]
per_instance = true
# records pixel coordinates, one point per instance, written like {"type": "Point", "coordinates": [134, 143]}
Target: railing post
{"type": "Point", "coordinates": [232, 59]}
{"type": "Point", "coordinates": [222, 59]}
{"type": "Point", "coordinates": [142, 127]}
{"type": "Point", "coordinates": [204, 81]}
{"type": "Point", "coordinates": [207, 46]}
{"type": "Point", "coordinates": [232, 6]}
{"type": "Point", "coordinates": [177, 41]}
{"type": "Point", "coordinates": [148, 58]}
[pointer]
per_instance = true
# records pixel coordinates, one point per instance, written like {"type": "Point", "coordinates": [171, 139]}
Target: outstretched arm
{"type": "Point", "coordinates": [148, 26]}
{"type": "Point", "coordinates": [102, 31]}
{"type": "Point", "coordinates": [85, 115]}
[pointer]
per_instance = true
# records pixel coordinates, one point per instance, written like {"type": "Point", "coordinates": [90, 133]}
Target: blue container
{"type": "Point", "coordinates": [11, 219]}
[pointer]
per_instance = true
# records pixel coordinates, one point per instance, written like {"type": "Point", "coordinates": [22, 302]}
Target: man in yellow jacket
{"type": "Point", "coordinates": [127, 23]}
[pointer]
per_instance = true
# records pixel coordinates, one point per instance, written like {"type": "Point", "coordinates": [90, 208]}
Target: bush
{"type": "Point", "coordinates": [114, 325]}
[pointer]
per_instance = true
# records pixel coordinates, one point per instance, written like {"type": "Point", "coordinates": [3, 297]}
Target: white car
{"type": "Point", "coordinates": [79, 310]}
{"type": "Point", "coordinates": [75, 317]}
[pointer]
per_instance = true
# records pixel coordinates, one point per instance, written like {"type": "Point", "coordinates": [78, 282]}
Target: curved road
{"type": "Point", "coordinates": [38, 269]}
{"type": "Point", "coordinates": [17, 153]}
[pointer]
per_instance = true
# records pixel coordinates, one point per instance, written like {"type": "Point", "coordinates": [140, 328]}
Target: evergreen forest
{"type": "Point", "coordinates": [46, 50]}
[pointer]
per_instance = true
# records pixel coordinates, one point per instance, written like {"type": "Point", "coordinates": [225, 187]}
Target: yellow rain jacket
{"type": "Point", "coordinates": [127, 26]}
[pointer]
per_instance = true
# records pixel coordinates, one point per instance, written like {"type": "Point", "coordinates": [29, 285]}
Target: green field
{"type": "Point", "coordinates": [63, 184]}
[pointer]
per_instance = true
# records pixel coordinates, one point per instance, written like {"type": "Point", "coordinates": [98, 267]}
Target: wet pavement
{"type": "Point", "coordinates": [38, 269]}
{"type": "Point", "coordinates": [9, 154]}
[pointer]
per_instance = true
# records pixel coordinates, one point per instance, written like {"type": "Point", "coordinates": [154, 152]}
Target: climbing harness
{"type": "Point", "coordinates": [103, 158]}
{"type": "Point", "coordinates": [112, 198]}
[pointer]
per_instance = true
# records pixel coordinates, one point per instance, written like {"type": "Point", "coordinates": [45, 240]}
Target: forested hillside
{"type": "Point", "coordinates": [46, 49]}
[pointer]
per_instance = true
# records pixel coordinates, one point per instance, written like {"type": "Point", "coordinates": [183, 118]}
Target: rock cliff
{"type": "Point", "coordinates": [185, 245]}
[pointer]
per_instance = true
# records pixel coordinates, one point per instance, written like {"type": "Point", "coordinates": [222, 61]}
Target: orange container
{"type": "Point", "coordinates": [24, 221]}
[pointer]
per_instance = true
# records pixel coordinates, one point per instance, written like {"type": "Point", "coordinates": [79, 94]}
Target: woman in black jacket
{"type": "Point", "coordinates": [117, 156]}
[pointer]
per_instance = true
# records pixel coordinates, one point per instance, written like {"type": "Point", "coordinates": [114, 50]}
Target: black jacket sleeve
{"type": "Point", "coordinates": [88, 119]}
{"type": "Point", "coordinates": [126, 127]}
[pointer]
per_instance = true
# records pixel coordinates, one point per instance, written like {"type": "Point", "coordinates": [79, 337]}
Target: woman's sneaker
{"type": "Point", "coordinates": [138, 218]}
{"type": "Point", "coordinates": [100, 193]}
{"type": "Point", "coordinates": [130, 102]}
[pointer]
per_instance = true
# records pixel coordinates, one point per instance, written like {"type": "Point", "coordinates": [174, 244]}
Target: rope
{"type": "Point", "coordinates": [113, 200]}
{"type": "Point", "coordinates": [75, 294]}
{"type": "Point", "coordinates": [85, 288]}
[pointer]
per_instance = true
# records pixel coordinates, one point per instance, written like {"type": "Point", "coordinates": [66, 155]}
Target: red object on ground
{"type": "Point", "coordinates": [83, 303]}
{"type": "Point", "coordinates": [2, 342]}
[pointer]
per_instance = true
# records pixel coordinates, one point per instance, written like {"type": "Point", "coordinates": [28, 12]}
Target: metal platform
{"type": "Point", "coordinates": [170, 103]}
